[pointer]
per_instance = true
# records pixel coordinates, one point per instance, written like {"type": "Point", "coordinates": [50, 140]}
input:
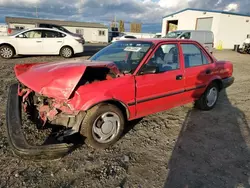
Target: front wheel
{"type": "Point", "coordinates": [66, 52]}
{"type": "Point", "coordinates": [209, 99]}
{"type": "Point", "coordinates": [102, 126]}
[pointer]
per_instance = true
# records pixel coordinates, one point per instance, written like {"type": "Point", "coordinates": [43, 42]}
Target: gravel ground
{"type": "Point", "coordinates": [182, 147]}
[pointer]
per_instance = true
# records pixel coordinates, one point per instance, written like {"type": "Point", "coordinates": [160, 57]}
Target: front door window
{"type": "Point", "coordinates": [33, 34]}
{"type": "Point", "coordinates": [166, 58]}
{"type": "Point", "coordinates": [161, 89]}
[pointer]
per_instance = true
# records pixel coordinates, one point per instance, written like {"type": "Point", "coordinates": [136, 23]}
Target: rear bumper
{"type": "Point", "coordinates": [79, 48]}
{"type": "Point", "coordinates": [17, 139]}
{"type": "Point", "coordinates": [227, 82]}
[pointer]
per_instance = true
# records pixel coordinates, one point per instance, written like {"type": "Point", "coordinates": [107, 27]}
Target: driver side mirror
{"type": "Point", "coordinates": [149, 69]}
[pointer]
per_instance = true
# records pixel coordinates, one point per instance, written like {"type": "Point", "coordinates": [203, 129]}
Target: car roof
{"type": "Point", "coordinates": [159, 40]}
{"type": "Point", "coordinates": [47, 24]}
{"type": "Point", "coordinates": [193, 31]}
{"type": "Point", "coordinates": [43, 28]}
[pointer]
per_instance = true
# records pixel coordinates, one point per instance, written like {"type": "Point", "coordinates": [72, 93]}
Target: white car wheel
{"type": "Point", "coordinates": [66, 52]}
{"type": "Point", "coordinates": [6, 52]}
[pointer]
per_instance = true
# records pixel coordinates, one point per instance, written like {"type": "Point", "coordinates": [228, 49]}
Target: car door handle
{"type": "Point", "coordinates": [179, 77]}
{"type": "Point", "coordinates": [59, 41]}
{"type": "Point", "coordinates": [208, 71]}
{"type": "Point", "coordinates": [39, 41]}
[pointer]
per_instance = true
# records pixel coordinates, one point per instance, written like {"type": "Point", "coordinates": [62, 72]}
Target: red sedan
{"type": "Point", "coordinates": [124, 81]}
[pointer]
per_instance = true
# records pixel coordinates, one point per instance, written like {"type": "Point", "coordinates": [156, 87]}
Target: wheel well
{"type": "Point", "coordinates": [219, 83]}
{"type": "Point", "coordinates": [119, 105]}
{"type": "Point", "coordinates": [6, 44]}
{"type": "Point", "coordinates": [69, 47]}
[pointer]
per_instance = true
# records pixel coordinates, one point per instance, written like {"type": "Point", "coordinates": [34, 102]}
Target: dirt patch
{"type": "Point", "coordinates": [182, 147]}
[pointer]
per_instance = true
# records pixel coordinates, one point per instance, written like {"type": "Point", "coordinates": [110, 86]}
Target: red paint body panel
{"type": "Point", "coordinates": [153, 86]}
{"type": "Point", "coordinates": [120, 89]}
{"type": "Point", "coordinates": [141, 95]}
{"type": "Point", "coordinates": [57, 79]}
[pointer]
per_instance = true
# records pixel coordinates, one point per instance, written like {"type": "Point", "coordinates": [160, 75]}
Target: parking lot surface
{"type": "Point", "coordinates": [182, 147]}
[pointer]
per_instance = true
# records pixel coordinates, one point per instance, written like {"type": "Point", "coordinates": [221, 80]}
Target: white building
{"type": "Point", "coordinates": [229, 28]}
{"type": "Point", "coordinates": [92, 32]}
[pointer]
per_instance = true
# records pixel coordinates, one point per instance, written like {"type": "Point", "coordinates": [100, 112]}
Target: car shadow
{"type": "Point", "coordinates": [211, 152]}
{"type": "Point", "coordinates": [87, 53]}
{"type": "Point", "coordinates": [89, 50]}
{"type": "Point", "coordinates": [56, 137]}
{"type": "Point", "coordinates": [130, 125]}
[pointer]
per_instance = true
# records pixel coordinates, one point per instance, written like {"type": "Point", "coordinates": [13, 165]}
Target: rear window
{"type": "Point", "coordinates": [173, 34]}
{"type": "Point", "coordinates": [52, 34]}
{"type": "Point", "coordinates": [209, 37]}
{"type": "Point", "coordinates": [129, 37]}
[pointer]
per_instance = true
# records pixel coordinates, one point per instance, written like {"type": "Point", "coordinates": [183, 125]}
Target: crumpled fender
{"type": "Point", "coordinates": [58, 79]}
{"type": "Point", "coordinates": [77, 102]}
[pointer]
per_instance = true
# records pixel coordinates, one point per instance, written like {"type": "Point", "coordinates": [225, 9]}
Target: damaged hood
{"type": "Point", "coordinates": [58, 79]}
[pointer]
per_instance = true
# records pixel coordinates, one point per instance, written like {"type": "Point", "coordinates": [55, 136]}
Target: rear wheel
{"type": "Point", "coordinates": [66, 52]}
{"type": "Point", "coordinates": [6, 52]}
{"type": "Point", "coordinates": [102, 126]}
{"type": "Point", "coordinates": [209, 99]}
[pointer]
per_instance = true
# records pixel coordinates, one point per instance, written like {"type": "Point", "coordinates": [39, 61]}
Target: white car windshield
{"type": "Point", "coordinates": [174, 34]}
{"type": "Point", "coordinates": [127, 55]}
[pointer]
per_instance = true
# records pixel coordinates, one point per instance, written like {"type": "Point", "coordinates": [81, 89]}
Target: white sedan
{"type": "Point", "coordinates": [40, 41]}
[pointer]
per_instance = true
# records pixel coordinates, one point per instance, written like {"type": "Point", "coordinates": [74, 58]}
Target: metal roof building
{"type": "Point", "coordinates": [229, 28]}
{"type": "Point", "coordinates": [92, 32]}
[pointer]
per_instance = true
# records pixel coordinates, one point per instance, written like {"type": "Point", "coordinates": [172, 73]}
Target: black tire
{"type": "Point", "coordinates": [92, 116]}
{"type": "Point", "coordinates": [202, 103]}
{"type": "Point", "coordinates": [66, 52]}
{"type": "Point", "coordinates": [7, 52]}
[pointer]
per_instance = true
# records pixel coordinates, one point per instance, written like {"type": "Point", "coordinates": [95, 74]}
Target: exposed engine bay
{"type": "Point", "coordinates": [44, 110]}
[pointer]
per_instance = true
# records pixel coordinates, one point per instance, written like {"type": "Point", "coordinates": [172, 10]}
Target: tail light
{"type": "Point", "coordinates": [81, 40]}
{"type": "Point", "coordinates": [231, 70]}
{"type": "Point", "coordinates": [212, 45]}
{"type": "Point", "coordinates": [9, 31]}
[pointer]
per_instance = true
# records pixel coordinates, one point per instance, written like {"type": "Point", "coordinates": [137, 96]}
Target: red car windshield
{"type": "Point", "coordinates": [127, 55]}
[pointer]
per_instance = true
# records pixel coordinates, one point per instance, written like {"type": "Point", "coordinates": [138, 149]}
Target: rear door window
{"type": "Point", "coordinates": [193, 56]}
{"type": "Point", "coordinates": [52, 34]}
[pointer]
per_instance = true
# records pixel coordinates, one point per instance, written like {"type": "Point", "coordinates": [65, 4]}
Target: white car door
{"type": "Point", "coordinates": [52, 41]}
{"type": "Point", "coordinates": [30, 42]}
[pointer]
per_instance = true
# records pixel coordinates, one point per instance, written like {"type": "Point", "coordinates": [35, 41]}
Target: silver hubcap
{"type": "Point", "coordinates": [66, 52]}
{"type": "Point", "coordinates": [6, 52]}
{"type": "Point", "coordinates": [212, 96]}
{"type": "Point", "coordinates": [106, 127]}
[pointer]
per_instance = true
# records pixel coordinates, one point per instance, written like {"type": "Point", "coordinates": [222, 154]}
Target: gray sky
{"type": "Point", "coordinates": [149, 12]}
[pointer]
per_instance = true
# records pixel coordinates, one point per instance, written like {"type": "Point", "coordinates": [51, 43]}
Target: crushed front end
{"type": "Point", "coordinates": [42, 110]}
{"type": "Point", "coordinates": [45, 92]}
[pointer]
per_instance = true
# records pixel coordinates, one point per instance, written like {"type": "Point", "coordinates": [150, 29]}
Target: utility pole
{"type": "Point", "coordinates": [36, 11]}
{"type": "Point", "coordinates": [115, 20]}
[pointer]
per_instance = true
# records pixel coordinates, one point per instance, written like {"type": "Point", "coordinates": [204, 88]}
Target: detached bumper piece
{"type": "Point", "coordinates": [17, 139]}
{"type": "Point", "coordinates": [227, 82]}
